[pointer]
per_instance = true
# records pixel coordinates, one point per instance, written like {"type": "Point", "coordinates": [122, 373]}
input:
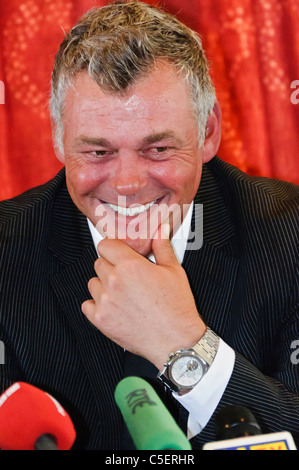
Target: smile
{"type": "Point", "coordinates": [131, 211]}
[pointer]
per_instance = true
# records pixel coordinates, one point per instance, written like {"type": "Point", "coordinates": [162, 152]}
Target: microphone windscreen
{"type": "Point", "coordinates": [26, 413]}
{"type": "Point", "coordinates": [149, 422]}
{"type": "Point", "coordinates": [235, 421]}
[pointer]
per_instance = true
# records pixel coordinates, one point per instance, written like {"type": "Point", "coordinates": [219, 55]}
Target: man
{"type": "Point", "coordinates": [96, 270]}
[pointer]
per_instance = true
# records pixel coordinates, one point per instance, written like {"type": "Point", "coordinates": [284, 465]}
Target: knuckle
{"type": "Point", "coordinates": [113, 281]}
{"type": "Point", "coordinates": [105, 301]}
{"type": "Point", "coordinates": [130, 266]}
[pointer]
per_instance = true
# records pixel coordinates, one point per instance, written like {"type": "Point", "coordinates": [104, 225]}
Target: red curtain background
{"type": "Point", "coordinates": [253, 48]}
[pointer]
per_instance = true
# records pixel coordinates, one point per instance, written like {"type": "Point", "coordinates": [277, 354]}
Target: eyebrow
{"type": "Point", "coordinates": [150, 139]}
{"type": "Point", "coordinates": [153, 138]}
{"type": "Point", "coordinates": [96, 141]}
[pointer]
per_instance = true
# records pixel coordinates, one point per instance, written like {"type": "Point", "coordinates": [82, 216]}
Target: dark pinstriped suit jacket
{"type": "Point", "coordinates": [244, 278]}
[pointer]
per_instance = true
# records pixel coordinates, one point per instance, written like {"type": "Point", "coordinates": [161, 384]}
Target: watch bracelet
{"type": "Point", "coordinates": [206, 348]}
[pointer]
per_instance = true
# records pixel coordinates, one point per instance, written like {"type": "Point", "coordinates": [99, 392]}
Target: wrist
{"type": "Point", "coordinates": [184, 341]}
{"type": "Point", "coordinates": [185, 368]}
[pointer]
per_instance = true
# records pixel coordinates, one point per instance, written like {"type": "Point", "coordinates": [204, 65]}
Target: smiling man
{"type": "Point", "coordinates": [99, 280]}
{"type": "Point", "coordinates": [141, 148]}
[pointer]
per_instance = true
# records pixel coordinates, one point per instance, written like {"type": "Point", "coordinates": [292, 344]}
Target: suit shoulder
{"type": "Point", "coordinates": [260, 196]}
{"type": "Point", "coordinates": [264, 211]}
{"type": "Point", "coordinates": [33, 201]}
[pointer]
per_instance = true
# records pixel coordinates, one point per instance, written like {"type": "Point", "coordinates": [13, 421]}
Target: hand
{"type": "Point", "coordinates": [146, 308]}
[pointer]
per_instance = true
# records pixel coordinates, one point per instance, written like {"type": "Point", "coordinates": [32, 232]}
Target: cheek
{"type": "Point", "coordinates": [82, 178]}
{"type": "Point", "coordinates": [180, 179]}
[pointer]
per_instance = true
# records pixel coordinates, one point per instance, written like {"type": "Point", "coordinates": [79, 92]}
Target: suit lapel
{"type": "Point", "coordinates": [212, 269]}
{"type": "Point", "coordinates": [72, 245]}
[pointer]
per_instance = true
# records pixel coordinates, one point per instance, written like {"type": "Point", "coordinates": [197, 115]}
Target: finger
{"type": "Point", "coordinates": [88, 309]}
{"type": "Point", "coordinates": [162, 248]}
{"type": "Point", "coordinates": [113, 250]}
{"type": "Point", "coordinates": [95, 288]}
{"type": "Point", "coordinates": [102, 267]}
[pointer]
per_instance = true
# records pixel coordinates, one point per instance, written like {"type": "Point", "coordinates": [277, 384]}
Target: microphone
{"type": "Point", "coordinates": [33, 420]}
{"type": "Point", "coordinates": [149, 422]}
{"type": "Point", "coordinates": [237, 429]}
{"type": "Point", "coordinates": [235, 421]}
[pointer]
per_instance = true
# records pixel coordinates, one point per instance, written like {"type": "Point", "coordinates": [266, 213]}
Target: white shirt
{"type": "Point", "coordinates": [202, 401]}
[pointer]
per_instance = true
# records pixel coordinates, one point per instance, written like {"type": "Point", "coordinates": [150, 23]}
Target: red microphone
{"type": "Point", "coordinates": [31, 419]}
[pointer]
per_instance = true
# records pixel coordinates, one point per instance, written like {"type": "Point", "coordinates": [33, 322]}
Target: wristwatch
{"type": "Point", "coordinates": [186, 367]}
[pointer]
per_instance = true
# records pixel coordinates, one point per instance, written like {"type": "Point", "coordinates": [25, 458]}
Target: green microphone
{"type": "Point", "coordinates": [149, 422]}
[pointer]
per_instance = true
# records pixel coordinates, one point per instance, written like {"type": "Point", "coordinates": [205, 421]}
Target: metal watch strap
{"type": "Point", "coordinates": [206, 348]}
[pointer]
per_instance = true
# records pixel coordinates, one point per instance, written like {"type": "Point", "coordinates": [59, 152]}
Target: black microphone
{"type": "Point", "coordinates": [237, 429]}
{"type": "Point", "coordinates": [235, 421]}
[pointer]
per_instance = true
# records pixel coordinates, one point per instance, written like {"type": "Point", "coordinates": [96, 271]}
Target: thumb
{"type": "Point", "coordinates": [162, 248]}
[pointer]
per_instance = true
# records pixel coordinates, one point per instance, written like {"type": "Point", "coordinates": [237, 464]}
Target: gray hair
{"type": "Point", "coordinates": [122, 41]}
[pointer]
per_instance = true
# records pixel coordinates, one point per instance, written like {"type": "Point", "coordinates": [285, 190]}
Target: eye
{"type": "Point", "coordinates": [101, 153]}
{"type": "Point", "coordinates": [162, 151]}
{"type": "Point", "coordinates": [157, 153]}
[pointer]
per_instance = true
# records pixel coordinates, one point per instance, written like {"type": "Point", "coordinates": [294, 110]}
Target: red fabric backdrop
{"type": "Point", "coordinates": [253, 47]}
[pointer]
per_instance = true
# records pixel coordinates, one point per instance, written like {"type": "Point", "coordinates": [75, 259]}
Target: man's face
{"type": "Point", "coordinates": [132, 150]}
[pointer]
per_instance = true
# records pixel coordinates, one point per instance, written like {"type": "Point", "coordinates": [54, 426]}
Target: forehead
{"type": "Point", "coordinates": [161, 90]}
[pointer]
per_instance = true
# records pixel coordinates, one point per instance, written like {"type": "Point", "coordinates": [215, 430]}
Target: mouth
{"type": "Point", "coordinates": [134, 209]}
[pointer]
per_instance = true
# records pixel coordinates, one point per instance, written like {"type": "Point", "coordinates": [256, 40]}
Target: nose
{"type": "Point", "coordinates": [129, 175]}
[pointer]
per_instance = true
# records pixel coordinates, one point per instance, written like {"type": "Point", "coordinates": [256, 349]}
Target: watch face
{"type": "Point", "coordinates": [187, 371]}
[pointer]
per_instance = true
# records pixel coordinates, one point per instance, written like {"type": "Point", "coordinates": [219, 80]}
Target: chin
{"type": "Point", "coordinates": [141, 246]}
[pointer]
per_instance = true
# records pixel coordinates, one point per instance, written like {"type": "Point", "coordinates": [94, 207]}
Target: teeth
{"type": "Point", "coordinates": [131, 211]}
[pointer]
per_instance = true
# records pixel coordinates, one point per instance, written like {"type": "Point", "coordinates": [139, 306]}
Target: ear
{"type": "Point", "coordinates": [58, 151]}
{"type": "Point", "coordinates": [213, 134]}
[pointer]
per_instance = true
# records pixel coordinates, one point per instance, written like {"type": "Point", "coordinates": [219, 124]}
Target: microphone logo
{"type": "Point", "coordinates": [139, 397]}
{"type": "Point", "coordinates": [57, 404]}
{"type": "Point", "coordinates": [12, 389]}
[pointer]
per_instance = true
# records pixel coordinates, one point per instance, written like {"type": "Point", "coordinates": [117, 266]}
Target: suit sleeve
{"type": "Point", "coordinates": [272, 398]}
